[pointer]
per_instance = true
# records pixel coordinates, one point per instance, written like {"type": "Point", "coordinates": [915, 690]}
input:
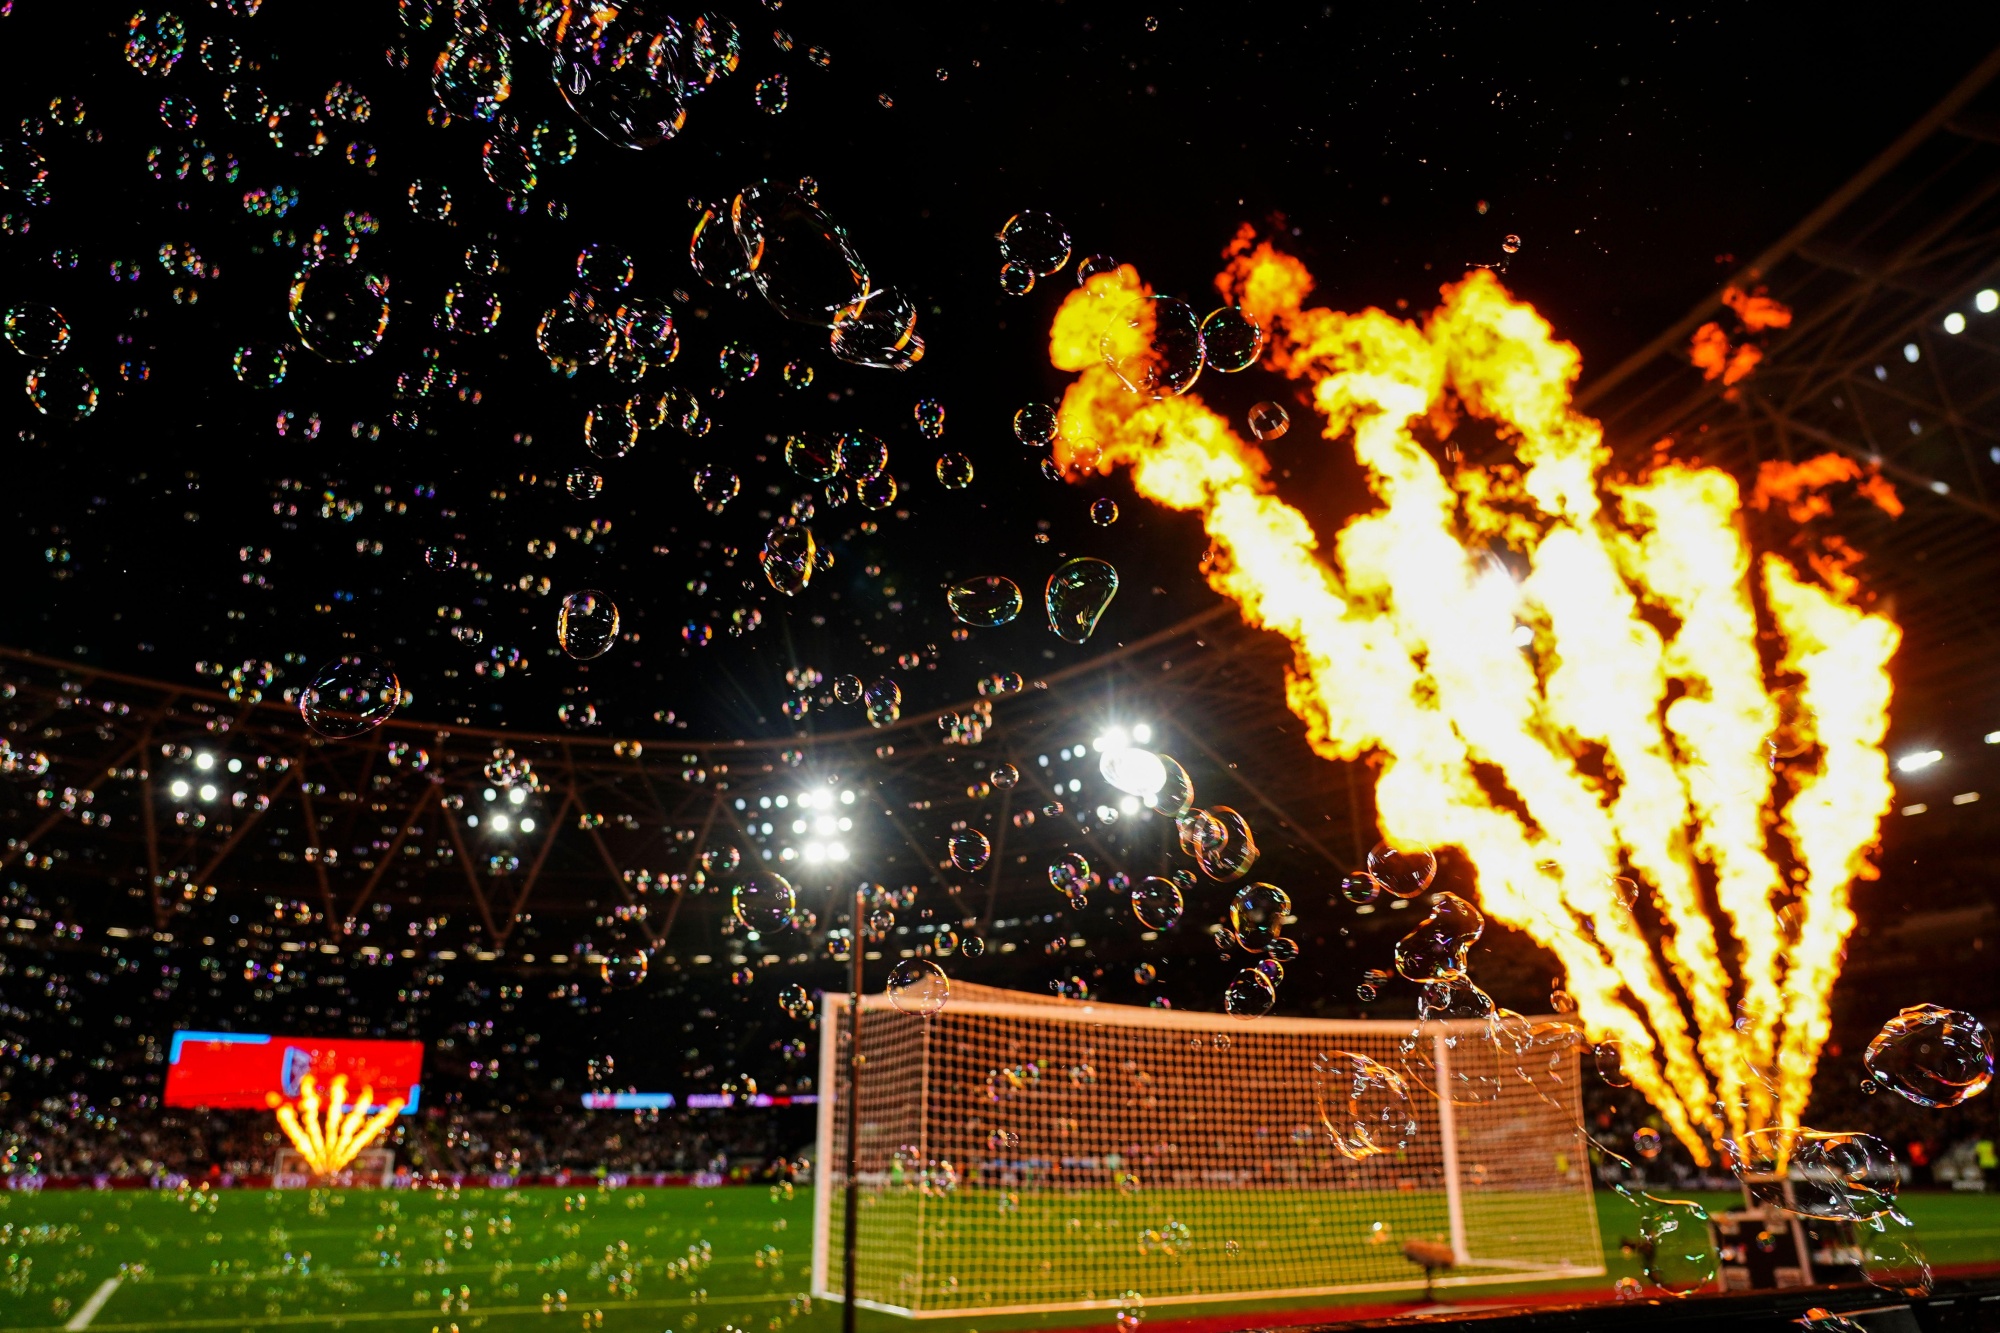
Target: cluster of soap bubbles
{"type": "Point", "coordinates": [1032, 245]}
{"type": "Point", "coordinates": [1158, 346]}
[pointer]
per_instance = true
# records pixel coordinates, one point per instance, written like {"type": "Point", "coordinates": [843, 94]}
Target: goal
{"type": "Point", "coordinates": [1020, 1153]}
{"type": "Point", "coordinates": [372, 1168]}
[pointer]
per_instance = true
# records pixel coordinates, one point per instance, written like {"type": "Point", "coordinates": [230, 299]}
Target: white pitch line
{"type": "Point", "coordinates": [82, 1318]}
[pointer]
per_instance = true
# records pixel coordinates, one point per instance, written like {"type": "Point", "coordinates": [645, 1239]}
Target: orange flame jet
{"type": "Point", "coordinates": [1608, 714]}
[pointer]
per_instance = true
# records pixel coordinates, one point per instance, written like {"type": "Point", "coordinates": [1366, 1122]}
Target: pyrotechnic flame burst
{"type": "Point", "coordinates": [1607, 714]}
{"type": "Point", "coordinates": [331, 1134]}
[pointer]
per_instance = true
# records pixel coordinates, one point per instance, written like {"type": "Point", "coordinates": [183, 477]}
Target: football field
{"type": "Point", "coordinates": [661, 1260]}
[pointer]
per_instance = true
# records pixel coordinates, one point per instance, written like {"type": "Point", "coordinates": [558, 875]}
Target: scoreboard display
{"type": "Point", "coordinates": [223, 1071]}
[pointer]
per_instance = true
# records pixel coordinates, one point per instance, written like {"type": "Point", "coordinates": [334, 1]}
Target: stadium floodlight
{"type": "Point", "coordinates": [331, 1134]}
{"type": "Point", "coordinates": [1141, 1149]}
{"type": "Point", "coordinates": [1133, 770]}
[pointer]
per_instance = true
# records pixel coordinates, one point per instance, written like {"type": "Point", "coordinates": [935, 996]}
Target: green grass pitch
{"type": "Point", "coordinates": [659, 1260]}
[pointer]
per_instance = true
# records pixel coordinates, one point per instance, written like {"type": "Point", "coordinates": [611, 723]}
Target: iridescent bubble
{"type": "Point", "coordinates": [624, 969]}
{"type": "Point", "coordinates": [1646, 1142]}
{"type": "Point", "coordinates": [954, 471]}
{"type": "Point", "coordinates": [1249, 995]}
{"type": "Point", "coordinates": [1035, 425]}
{"type": "Point", "coordinates": [430, 200]}
{"type": "Point", "coordinates": [1104, 511]}
{"type": "Point", "coordinates": [1154, 346]}
{"type": "Point", "coordinates": [788, 558]}
{"type": "Point", "coordinates": [1016, 278]}
{"type": "Point", "coordinates": [1609, 1058]}
{"type": "Point", "coordinates": [764, 901]}
{"type": "Point", "coordinates": [772, 94]}
{"type": "Point", "coordinates": [1932, 1055]}
{"type": "Point", "coordinates": [1363, 1104]}
{"type": "Point", "coordinates": [862, 456]}
{"type": "Point", "coordinates": [1157, 903]}
{"type": "Point", "coordinates": [35, 329]}
{"type": "Point", "coordinates": [1231, 340]}
{"type": "Point", "coordinates": [847, 689]}
{"type": "Point", "coordinates": [155, 43]}
{"type": "Point", "coordinates": [795, 1002]}
{"type": "Point", "coordinates": [716, 486]}
{"type": "Point", "coordinates": [883, 702]}
{"type": "Point", "coordinates": [1511, 245]}
{"type": "Point", "coordinates": [1257, 915]}
{"type": "Point", "coordinates": [604, 268]}
{"type": "Point", "coordinates": [715, 50]}
{"type": "Point", "coordinates": [1675, 1246]}
{"type": "Point", "coordinates": [1076, 596]}
{"type": "Point", "coordinates": [800, 258]}
{"type": "Point", "coordinates": [350, 695]}
{"type": "Point", "coordinates": [737, 362]}
{"type": "Point", "coordinates": [471, 307]}
{"type": "Point", "coordinates": [1815, 1173]}
{"type": "Point", "coordinates": [583, 484]}
{"type": "Point", "coordinates": [972, 946]}
{"type": "Point", "coordinates": [877, 492]}
{"type": "Point", "coordinates": [587, 624]}
{"type": "Point", "coordinates": [1176, 794]}
{"type": "Point", "coordinates": [985, 602]}
{"type": "Point", "coordinates": [814, 455]}
{"type": "Point", "coordinates": [473, 74]}
{"type": "Point", "coordinates": [1360, 888]}
{"type": "Point", "coordinates": [969, 849]}
{"type": "Point", "coordinates": [1004, 776]}
{"type": "Point", "coordinates": [619, 77]}
{"type": "Point", "coordinates": [259, 365]}
{"type": "Point", "coordinates": [1037, 240]}
{"type": "Point", "coordinates": [1403, 872]}
{"type": "Point", "coordinates": [1268, 421]}
{"type": "Point", "coordinates": [1437, 948]}
{"type": "Point", "coordinates": [64, 391]}
{"type": "Point", "coordinates": [1891, 1258]}
{"type": "Point", "coordinates": [918, 986]}
{"type": "Point", "coordinates": [714, 251]}
{"type": "Point", "coordinates": [340, 310]}
{"type": "Point", "coordinates": [1070, 874]}
{"type": "Point", "coordinates": [879, 330]}
{"type": "Point", "coordinates": [610, 430]}
{"type": "Point", "coordinates": [441, 558]}
{"type": "Point", "coordinates": [1234, 853]}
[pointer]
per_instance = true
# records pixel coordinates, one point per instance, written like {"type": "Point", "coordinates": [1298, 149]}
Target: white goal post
{"type": "Point", "coordinates": [1019, 1153]}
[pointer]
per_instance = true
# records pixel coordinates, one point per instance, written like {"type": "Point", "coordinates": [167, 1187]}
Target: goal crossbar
{"type": "Point", "coordinates": [1018, 1153]}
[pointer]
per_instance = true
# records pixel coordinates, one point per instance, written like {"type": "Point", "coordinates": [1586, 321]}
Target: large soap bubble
{"type": "Point", "coordinates": [800, 259]}
{"type": "Point", "coordinates": [1076, 596]}
{"type": "Point", "coordinates": [350, 695]}
{"type": "Point", "coordinates": [1154, 346]}
{"type": "Point", "coordinates": [340, 311]}
{"type": "Point", "coordinates": [1363, 1104]}
{"type": "Point", "coordinates": [1932, 1055]}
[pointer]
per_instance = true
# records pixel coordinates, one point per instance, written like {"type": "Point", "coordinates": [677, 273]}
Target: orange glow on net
{"type": "Point", "coordinates": [331, 1133]}
{"type": "Point", "coordinates": [1630, 735]}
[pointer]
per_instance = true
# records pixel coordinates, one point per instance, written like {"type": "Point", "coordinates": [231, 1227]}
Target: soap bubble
{"type": "Point", "coordinates": [1363, 1104]}
{"type": "Point", "coordinates": [1817, 1173]}
{"type": "Point", "coordinates": [795, 1002]}
{"type": "Point", "coordinates": [1037, 240]}
{"type": "Point", "coordinates": [66, 392]}
{"type": "Point", "coordinates": [1070, 873]}
{"type": "Point", "coordinates": [1035, 425]}
{"type": "Point", "coordinates": [1230, 856]}
{"type": "Point", "coordinates": [813, 455]}
{"type": "Point", "coordinates": [587, 624]}
{"type": "Point", "coordinates": [929, 413]}
{"type": "Point", "coordinates": [716, 486]}
{"type": "Point", "coordinates": [1076, 596]}
{"type": "Point", "coordinates": [714, 252]}
{"type": "Point", "coordinates": [878, 330]}
{"type": "Point", "coordinates": [1609, 1059]}
{"type": "Point", "coordinates": [340, 311]}
{"type": "Point", "coordinates": [441, 558]}
{"type": "Point", "coordinates": [799, 258]}
{"type": "Point", "coordinates": [847, 689]}
{"type": "Point", "coordinates": [623, 969]}
{"type": "Point", "coordinates": [610, 430]}
{"type": "Point", "coordinates": [1932, 1055]}
{"type": "Point", "coordinates": [1104, 512]}
{"type": "Point", "coordinates": [1511, 245]}
{"type": "Point", "coordinates": [1360, 887]}
{"type": "Point", "coordinates": [1463, 1020]}
{"type": "Point", "coordinates": [862, 455]}
{"type": "Point", "coordinates": [1268, 421]}
{"type": "Point", "coordinates": [1154, 346]}
{"type": "Point", "coordinates": [471, 307]}
{"type": "Point", "coordinates": [473, 74]}
{"type": "Point", "coordinates": [772, 94]}
{"type": "Point", "coordinates": [883, 702]}
{"type": "Point", "coordinates": [969, 849]}
{"type": "Point", "coordinates": [918, 986]}
{"type": "Point", "coordinates": [1436, 949]}
{"type": "Point", "coordinates": [1403, 872]}
{"type": "Point", "coordinates": [1157, 903]}
{"type": "Point", "coordinates": [764, 901]}
{"type": "Point", "coordinates": [1674, 1244]}
{"type": "Point", "coordinates": [583, 484]}
{"type": "Point", "coordinates": [349, 696]}
{"type": "Point", "coordinates": [954, 471]}
{"type": "Point", "coordinates": [1891, 1258]}
{"type": "Point", "coordinates": [1646, 1142]}
{"type": "Point", "coordinates": [604, 268]}
{"type": "Point", "coordinates": [984, 602]}
{"type": "Point", "coordinates": [1016, 278]}
{"type": "Point", "coordinates": [1257, 915]}
{"type": "Point", "coordinates": [35, 329]}
{"type": "Point", "coordinates": [789, 558]}
{"type": "Point", "coordinates": [1004, 776]}
{"type": "Point", "coordinates": [155, 43]}
{"type": "Point", "coordinates": [1250, 995]}
{"type": "Point", "coordinates": [1176, 794]}
{"type": "Point", "coordinates": [619, 78]}
{"type": "Point", "coordinates": [1230, 340]}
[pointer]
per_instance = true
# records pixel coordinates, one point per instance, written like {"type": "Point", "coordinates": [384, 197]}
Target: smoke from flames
{"type": "Point", "coordinates": [1665, 665]}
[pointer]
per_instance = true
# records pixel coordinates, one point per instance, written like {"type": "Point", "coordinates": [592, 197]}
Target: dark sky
{"type": "Point", "coordinates": [1632, 153]}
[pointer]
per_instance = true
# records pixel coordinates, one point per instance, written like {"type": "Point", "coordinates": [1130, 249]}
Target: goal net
{"type": "Point", "coordinates": [371, 1168]}
{"type": "Point", "coordinates": [1021, 1153]}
